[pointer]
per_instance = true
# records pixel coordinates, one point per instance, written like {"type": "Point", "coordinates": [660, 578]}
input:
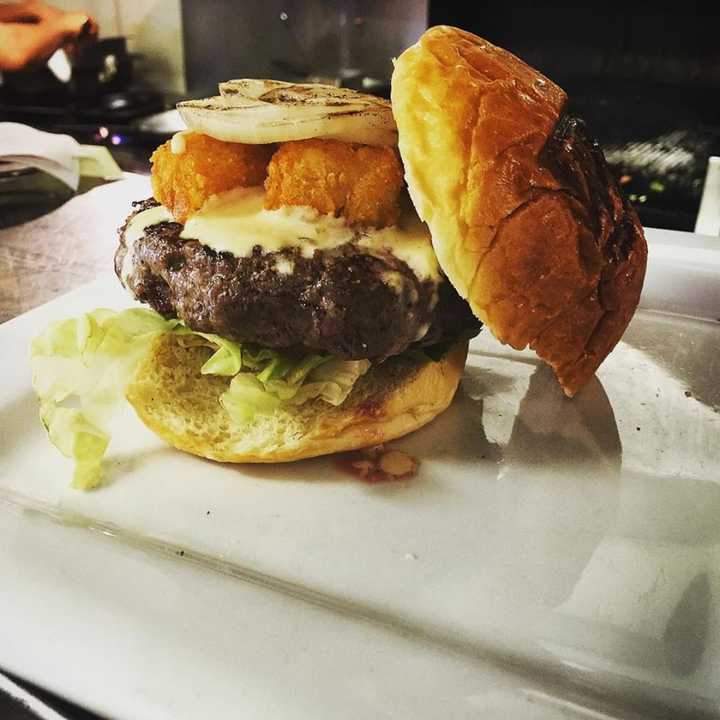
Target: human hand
{"type": "Point", "coordinates": [41, 11]}
{"type": "Point", "coordinates": [79, 29]}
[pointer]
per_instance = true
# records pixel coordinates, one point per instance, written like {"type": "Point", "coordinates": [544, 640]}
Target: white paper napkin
{"type": "Point", "coordinates": [22, 146]}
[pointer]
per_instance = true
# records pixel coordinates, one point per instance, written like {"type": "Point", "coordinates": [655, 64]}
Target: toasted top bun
{"type": "Point", "coordinates": [392, 399]}
{"type": "Point", "coordinates": [526, 220]}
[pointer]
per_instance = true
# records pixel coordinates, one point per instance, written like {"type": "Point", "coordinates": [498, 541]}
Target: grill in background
{"type": "Point", "coordinates": [645, 76]}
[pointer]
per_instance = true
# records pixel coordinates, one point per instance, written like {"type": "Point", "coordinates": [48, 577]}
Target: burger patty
{"type": "Point", "coordinates": [342, 301]}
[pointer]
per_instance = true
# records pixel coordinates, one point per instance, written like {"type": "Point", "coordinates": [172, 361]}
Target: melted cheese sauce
{"type": "Point", "coordinates": [177, 142]}
{"type": "Point", "coordinates": [236, 222]}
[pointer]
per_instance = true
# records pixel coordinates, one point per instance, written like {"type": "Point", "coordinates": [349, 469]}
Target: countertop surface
{"type": "Point", "coordinates": [53, 254]}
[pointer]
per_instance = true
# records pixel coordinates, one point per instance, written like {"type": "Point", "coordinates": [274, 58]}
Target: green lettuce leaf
{"type": "Point", "coordinates": [330, 381]}
{"type": "Point", "coordinates": [246, 397]}
{"type": "Point", "coordinates": [226, 360]}
{"type": "Point", "coordinates": [82, 366]}
{"type": "Point", "coordinates": [77, 438]}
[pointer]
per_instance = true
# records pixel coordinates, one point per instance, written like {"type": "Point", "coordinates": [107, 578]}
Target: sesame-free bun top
{"type": "Point", "coordinates": [526, 220]}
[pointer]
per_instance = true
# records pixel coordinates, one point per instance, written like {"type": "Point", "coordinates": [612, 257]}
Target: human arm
{"type": "Point", "coordinates": [23, 42]}
{"type": "Point", "coordinates": [32, 11]}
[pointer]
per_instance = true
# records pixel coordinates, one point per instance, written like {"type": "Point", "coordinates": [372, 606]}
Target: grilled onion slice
{"type": "Point", "coordinates": [268, 111]}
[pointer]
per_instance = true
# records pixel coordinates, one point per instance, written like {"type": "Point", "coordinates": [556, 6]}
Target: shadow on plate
{"type": "Point", "coordinates": [554, 498]}
{"type": "Point", "coordinates": [117, 466]}
{"type": "Point", "coordinates": [313, 470]}
{"type": "Point", "coordinates": [686, 348]}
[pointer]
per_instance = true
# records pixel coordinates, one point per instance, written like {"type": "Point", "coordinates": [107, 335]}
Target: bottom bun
{"type": "Point", "coordinates": [182, 406]}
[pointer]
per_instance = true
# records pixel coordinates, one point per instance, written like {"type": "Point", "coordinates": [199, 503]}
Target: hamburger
{"type": "Point", "coordinates": [314, 261]}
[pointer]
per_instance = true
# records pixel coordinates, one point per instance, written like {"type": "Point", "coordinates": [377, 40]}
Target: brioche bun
{"type": "Point", "coordinates": [526, 220]}
{"type": "Point", "coordinates": [182, 406]}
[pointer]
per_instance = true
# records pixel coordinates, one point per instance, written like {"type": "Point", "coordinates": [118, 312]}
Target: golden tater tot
{"type": "Point", "coordinates": [359, 182]}
{"type": "Point", "coordinates": [207, 166]}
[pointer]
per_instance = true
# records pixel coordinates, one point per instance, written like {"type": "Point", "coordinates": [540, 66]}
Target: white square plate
{"type": "Point", "coordinates": [553, 558]}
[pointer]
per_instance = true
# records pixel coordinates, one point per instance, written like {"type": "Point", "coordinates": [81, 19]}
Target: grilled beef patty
{"type": "Point", "coordinates": [341, 301]}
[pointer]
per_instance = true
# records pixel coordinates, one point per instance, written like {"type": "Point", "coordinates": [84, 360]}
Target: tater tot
{"type": "Point", "coordinates": [359, 182]}
{"type": "Point", "coordinates": [183, 182]}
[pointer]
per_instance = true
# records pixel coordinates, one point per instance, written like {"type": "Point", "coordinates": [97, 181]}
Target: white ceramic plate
{"type": "Point", "coordinates": [554, 558]}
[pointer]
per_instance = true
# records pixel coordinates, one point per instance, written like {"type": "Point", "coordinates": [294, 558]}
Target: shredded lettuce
{"type": "Point", "coordinates": [82, 367]}
{"type": "Point", "coordinates": [77, 438]}
{"type": "Point", "coordinates": [247, 397]}
{"type": "Point", "coordinates": [331, 381]}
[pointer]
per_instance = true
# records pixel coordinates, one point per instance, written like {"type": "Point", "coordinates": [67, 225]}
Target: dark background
{"type": "Point", "coordinates": [645, 76]}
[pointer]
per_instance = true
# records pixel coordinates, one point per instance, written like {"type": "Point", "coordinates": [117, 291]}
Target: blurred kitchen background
{"type": "Point", "coordinates": [645, 77]}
